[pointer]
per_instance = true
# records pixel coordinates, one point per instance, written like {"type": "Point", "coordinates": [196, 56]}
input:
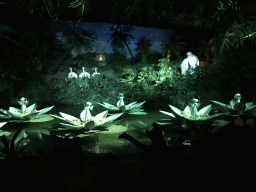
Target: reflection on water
{"type": "Point", "coordinates": [100, 143]}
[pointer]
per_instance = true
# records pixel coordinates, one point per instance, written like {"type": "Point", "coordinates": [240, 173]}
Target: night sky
{"type": "Point", "coordinates": [156, 35]}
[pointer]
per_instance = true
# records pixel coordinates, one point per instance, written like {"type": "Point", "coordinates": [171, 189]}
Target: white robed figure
{"type": "Point", "coordinates": [190, 62]}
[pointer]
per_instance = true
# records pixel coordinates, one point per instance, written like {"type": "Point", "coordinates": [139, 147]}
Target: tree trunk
{"type": "Point", "coordinates": [143, 58]}
{"type": "Point", "coordinates": [129, 51]}
{"type": "Point", "coordinates": [176, 54]}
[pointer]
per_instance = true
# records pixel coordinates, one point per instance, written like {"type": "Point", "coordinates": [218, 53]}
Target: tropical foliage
{"type": "Point", "coordinates": [75, 37]}
{"type": "Point", "coordinates": [234, 20]}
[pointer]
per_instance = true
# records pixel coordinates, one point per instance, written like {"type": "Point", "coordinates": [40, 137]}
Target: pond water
{"type": "Point", "coordinates": [98, 143]}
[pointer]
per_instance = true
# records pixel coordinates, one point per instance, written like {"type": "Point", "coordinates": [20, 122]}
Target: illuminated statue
{"type": "Point", "coordinates": [84, 74]}
{"type": "Point", "coordinates": [95, 72]}
{"type": "Point", "coordinates": [72, 74]}
{"type": "Point", "coordinates": [190, 62]}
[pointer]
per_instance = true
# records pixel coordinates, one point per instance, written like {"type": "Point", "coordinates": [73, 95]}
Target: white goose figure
{"type": "Point", "coordinates": [84, 74]}
{"type": "Point", "coordinates": [121, 100]}
{"type": "Point", "coordinates": [95, 72]}
{"type": "Point", "coordinates": [72, 74]}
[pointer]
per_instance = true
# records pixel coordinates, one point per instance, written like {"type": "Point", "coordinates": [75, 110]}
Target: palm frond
{"type": "Point", "coordinates": [83, 4]}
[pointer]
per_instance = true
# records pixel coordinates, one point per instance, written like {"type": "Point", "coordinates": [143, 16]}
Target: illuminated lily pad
{"type": "Point", "coordinates": [41, 118]}
{"type": "Point", "coordinates": [114, 129]}
{"type": "Point", "coordinates": [6, 133]}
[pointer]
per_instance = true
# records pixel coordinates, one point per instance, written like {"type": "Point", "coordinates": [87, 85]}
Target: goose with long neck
{"type": "Point", "coordinates": [72, 74]}
{"type": "Point", "coordinates": [84, 74]}
{"type": "Point", "coordinates": [95, 72]}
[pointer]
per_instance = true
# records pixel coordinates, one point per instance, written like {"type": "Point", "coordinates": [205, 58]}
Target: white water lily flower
{"type": "Point", "coordinates": [133, 108]}
{"type": "Point", "coordinates": [235, 105]}
{"type": "Point", "coordinates": [87, 121]}
{"type": "Point", "coordinates": [191, 113]}
{"type": "Point", "coordinates": [24, 114]}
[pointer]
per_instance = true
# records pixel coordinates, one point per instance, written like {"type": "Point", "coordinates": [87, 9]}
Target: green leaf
{"type": "Point", "coordinates": [76, 3]}
{"type": "Point", "coordinates": [241, 38]}
{"type": "Point", "coordinates": [49, 6]}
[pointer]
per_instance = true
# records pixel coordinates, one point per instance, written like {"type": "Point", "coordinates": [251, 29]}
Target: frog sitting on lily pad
{"type": "Point", "coordinates": [26, 114]}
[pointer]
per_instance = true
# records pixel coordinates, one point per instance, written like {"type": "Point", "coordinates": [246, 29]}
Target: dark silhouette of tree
{"type": "Point", "coordinates": [174, 46]}
{"type": "Point", "coordinates": [75, 39]}
{"type": "Point", "coordinates": [39, 41]}
{"type": "Point", "coordinates": [143, 48]}
{"type": "Point", "coordinates": [234, 17]}
{"type": "Point", "coordinates": [121, 37]}
{"type": "Point", "coordinates": [204, 52]}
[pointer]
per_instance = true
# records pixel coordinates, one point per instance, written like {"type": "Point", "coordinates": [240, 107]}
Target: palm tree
{"type": "Point", "coordinates": [121, 37]}
{"type": "Point", "coordinates": [75, 39]}
{"type": "Point", "coordinates": [205, 52]}
{"type": "Point", "coordinates": [175, 46]}
{"type": "Point", "coordinates": [143, 48]}
{"type": "Point", "coordinates": [224, 13]}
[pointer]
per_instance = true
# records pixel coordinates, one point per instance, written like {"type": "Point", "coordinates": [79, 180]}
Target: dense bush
{"type": "Point", "coordinates": [152, 82]}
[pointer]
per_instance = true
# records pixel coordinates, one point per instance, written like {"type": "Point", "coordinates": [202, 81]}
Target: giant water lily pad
{"type": "Point", "coordinates": [114, 129]}
{"type": "Point", "coordinates": [37, 119]}
{"type": "Point", "coordinates": [41, 118]}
